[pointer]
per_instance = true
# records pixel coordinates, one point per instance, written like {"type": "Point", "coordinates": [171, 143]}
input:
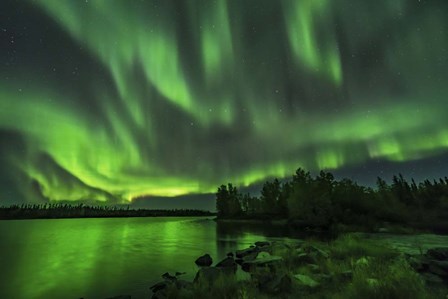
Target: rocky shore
{"type": "Point", "coordinates": [283, 270]}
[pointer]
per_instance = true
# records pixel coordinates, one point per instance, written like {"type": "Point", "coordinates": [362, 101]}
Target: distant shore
{"type": "Point", "coordinates": [62, 211]}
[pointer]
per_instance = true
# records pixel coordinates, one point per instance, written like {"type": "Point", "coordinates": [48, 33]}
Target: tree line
{"type": "Point", "coordinates": [322, 200]}
{"type": "Point", "coordinates": [64, 210]}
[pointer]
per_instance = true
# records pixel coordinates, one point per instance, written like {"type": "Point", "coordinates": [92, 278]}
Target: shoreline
{"type": "Point", "coordinates": [348, 267]}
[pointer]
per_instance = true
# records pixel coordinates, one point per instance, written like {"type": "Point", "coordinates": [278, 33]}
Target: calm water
{"type": "Point", "coordinates": [97, 258]}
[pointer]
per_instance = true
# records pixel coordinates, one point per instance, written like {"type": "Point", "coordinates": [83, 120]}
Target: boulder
{"type": "Point", "coordinates": [306, 280]}
{"type": "Point", "coordinates": [208, 275]}
{"type": "Point", "coordinates": [247, 258]}
{"type": "Point", "coordinates": [159, 286]}
{"type": "Point", "coordinates": [228, 264]}
{"type": "Point", "coordinates": [270, 260]}
{"type": "Point", "coordinates": [183, 284]}
{"type": "Point", "coordinates": [263, 255]}
{"type": "Point", "coordinates": [169, 277]}
{"type": "Point", "coordinates": [262, 243]}
{"type": "Point", "coordinates": [162, 294]}
{"type": "Point", "coordinates": [440, 253]}
{"type": "Point", "coordinates": [242, 253]}
{"type": "Point", "coordinates": [204, 261]}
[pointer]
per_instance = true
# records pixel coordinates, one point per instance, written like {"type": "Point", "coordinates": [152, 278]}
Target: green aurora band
{"type": "Point", "coordinates": [186, 95]}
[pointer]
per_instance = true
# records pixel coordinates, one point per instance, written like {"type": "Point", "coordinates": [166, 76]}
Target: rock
{"type": "Point", "coordinates": [305, 280]}
{"type": "Point", "coordinates": [242, 253]}
{"type": "Point", "coordinates": [162, 294]}
{"type": "Point", "coordinates": [262, 243]}
{"type": "Point", "coordinates": [228, 264]}
{"type": "Point", "coordinates": [383, 230]}
{"type": "Point", "coordinates": [230, 254]}
{"type": "Point", "coordinates": [208, 275]}
{"type": "Point", "coordinates": [169, 277]}
{"type": "Point", "coordinates": [261, 262]}
{"type": "Point", "coordinates": [440, 253]}
{"type": "Point", "coordinates": [121, 297]}
{"type": "Point", "coordinates": [250, 257]}
{"type": "Point", "coordinates": [204, 261]}
{"type": "Point", "coordinates": [263, 255]}
{"type": "Point", "coordinates": [247, 258]}
{"type": "Point", "coordinates": [159, 286]}
{"type": "Point", "coordinates": [183, 284]}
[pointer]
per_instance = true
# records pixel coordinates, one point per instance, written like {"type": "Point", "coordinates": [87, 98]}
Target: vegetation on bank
{"type": "Point", "coordinates": [348, 267]}
{"type": "Point", "coordinates": [53, 210]}
{"type": "Point", "coordinates": [323, 201]}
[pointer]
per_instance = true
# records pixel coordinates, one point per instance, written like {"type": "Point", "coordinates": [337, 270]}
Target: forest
{"type": "Point", "coordinates": [323, 201]}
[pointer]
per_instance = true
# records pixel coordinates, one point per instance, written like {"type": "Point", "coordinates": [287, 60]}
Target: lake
{"type": "Point", "coordinates": [104, 257]}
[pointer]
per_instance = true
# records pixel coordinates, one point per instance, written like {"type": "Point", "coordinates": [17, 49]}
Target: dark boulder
{"type": "Point", "coordinates": [262, 243]}
{"type": "Point", "coordinates": [228, 264]}
{"type": "Point", "coordinates": [169, 277]}
{"type": "Point", "coordinates": [159, 286]}
{"type": "Point", "coordinates": [242, 253]}
{"type": "Point", "coordinates": [440, 253]}
{"type": "Point", "coordinates": [208, 275]}
{"type": "Point", "coordinates": [183, 284]}
{"type": "Point", "coordinates": [262, 260]}
{"type": "Point", "coordinates": [204, 261]}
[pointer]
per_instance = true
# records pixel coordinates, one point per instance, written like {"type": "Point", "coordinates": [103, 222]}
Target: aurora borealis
{"type": "Point", "coordinates": [115, 100]}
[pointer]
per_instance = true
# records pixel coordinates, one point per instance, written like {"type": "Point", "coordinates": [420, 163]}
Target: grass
{"type": "Point", "coordinates": [347, 268]}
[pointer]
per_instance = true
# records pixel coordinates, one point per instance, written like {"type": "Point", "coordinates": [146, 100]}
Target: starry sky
{"type": "Point", "coordinates": [119, 101]}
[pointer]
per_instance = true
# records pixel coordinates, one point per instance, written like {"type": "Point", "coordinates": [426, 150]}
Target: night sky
{"type": "Point", "coordinates": [116, 100]}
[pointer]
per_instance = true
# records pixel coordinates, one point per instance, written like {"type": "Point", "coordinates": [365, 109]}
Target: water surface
{"type": "Point", "coordinates": [105, 257]}
{"type": "Point", "coordinates": [97, 258]}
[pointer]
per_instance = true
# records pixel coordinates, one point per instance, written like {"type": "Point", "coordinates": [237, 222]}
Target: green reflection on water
{"type": "Point", "coordinates": [100, 258]}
